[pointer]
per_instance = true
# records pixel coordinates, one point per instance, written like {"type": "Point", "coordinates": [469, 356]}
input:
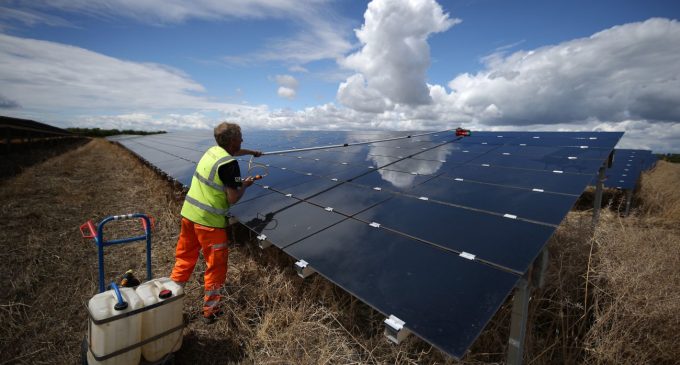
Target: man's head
{"type": "Point", "coordinates": [228, 136]}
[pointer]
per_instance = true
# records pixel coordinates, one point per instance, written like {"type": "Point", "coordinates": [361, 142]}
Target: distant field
{"type": "Point", "coordinates": [612, 296]}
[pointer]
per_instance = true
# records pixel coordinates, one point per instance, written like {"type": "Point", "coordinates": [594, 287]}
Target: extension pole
{"type": "Point", "coordinates": [598, 196]}
{"type": "Point", "coordinates": [349, 144]}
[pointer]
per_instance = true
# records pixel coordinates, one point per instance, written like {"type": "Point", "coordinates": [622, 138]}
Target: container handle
{"type": "Point", "coordinates": [121, 304]}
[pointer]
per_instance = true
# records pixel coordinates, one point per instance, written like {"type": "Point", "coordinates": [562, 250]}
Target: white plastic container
{"type": "Point", "coordinates": [162, 318]}
{"type": "Point", "coordinates": [109, 337]}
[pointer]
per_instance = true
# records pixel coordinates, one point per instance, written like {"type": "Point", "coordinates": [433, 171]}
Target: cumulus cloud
{"type": "Point", "coordinates": [392, 63]}
{"type": "Point", "coordinates": [626, 72]}
{"type": "Point", "coordinates": [287, 86]}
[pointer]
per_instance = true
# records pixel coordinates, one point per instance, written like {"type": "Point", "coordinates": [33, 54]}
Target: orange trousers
{"type": "Point", "coordinates": [213, 242]}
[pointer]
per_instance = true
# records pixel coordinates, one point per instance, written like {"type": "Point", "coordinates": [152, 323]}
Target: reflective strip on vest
{"type": "Point", "coordinates": [205, 207]}
{"type": "Point", "coordinates": [212, 292]}
{"type": "Point", "coordinates": [219, 245]}
{"type": "Point", "coordinates": [210, 183]}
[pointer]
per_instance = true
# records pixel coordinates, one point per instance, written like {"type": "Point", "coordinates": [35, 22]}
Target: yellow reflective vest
{"type": "Point", "coordinates": [206, 202]}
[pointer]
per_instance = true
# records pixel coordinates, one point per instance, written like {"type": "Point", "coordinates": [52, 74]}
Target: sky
{"type": "Point", "coordinates": [606, 65]}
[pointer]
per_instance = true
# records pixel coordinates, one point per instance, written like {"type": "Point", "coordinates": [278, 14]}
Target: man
{"type": "Point", "coordinates": [216, 185]}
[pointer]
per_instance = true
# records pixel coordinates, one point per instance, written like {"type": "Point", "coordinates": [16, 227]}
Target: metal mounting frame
{"type": "Point", "coordinates": [629, 200]}
{"type": "Point", "coordinates": [598, 195]}
{"type": "Point", "coordinates": [535, 277]}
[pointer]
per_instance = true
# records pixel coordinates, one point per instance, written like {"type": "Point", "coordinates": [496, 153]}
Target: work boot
{"type": "Point", "coordinates": [211, 318]}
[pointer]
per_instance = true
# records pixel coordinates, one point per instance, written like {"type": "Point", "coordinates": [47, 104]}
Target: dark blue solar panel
{"type": "Point", "coordinates": [350, 199]}
{"type": "Point", "coordinates": [552, 181]}
{"type": "Point", "coordinates": [507, 242]}
{"type": "Point", "coordinates": [626, 168]}
{"type": "Point", "coordinates": [284, 227]}
{"type": "Point", "coordinates": [495, 197]}
{"type": "Point", "coordinates": [534, 205]}
{"type": "Point", "coordinates": [442, 297]}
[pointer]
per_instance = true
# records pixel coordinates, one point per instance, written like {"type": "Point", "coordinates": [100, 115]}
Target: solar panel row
{"type": "Point", "coordinates": [626, 168]}
{"type": "Point", "coordinates": [434, 229]}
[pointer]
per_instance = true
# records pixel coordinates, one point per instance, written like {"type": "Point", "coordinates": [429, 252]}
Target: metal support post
{"type": "Point", "coordinates": [598, 196]}
{"type": "Point", "coordinates": [629, 199]}
{"type": "Point", "coordinates": [518, 324]}
{"type": "Point", "coordinates": [540, 267]}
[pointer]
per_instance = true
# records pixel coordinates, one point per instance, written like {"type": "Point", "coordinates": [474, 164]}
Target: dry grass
{"type": "Point", "coordinates": [274, 317]}
{"type": "Point", "coordinates": [659, 196]}
{"type": "Point", "coordinates": [636, 279]}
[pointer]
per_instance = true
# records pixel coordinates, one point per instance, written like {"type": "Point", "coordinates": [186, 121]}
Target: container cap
{"type": "Point", "coordinates": [120, 306]}
{"type": "Point", "coordinates": [165, 294]}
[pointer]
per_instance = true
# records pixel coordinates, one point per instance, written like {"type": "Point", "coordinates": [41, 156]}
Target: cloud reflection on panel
{"type": "Point", "coordinates": [403, 174]}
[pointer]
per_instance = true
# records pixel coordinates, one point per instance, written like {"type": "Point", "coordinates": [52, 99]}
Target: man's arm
{"type": "Point", "coordinates": [234, 195]}
{"type": "Point", "coordinates": [244, 151]}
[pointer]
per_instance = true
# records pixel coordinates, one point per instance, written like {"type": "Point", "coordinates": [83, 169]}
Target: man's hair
{"type": "Point", "coordinates": [225, 132]}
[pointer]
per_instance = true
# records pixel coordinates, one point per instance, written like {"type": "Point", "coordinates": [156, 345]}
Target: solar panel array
{"type": "Point", "coordinates": [626, 168]}
{"type": "Point", "coordinates": [433, 229]}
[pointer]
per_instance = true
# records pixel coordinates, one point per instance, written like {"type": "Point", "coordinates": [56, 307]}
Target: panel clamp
{"type": "Point", "coordinates": [395, 330]}
{"type": "Point", "coordinates": [262, 241]}
{"type": "Point", "coordinates": [467, 255]}
{"type": "Point", "coordinates": [303, 269]}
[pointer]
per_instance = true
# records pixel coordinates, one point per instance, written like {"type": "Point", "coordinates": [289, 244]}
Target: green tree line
{"type": "Point", "coordinates": [98, 132]}
{"type": "Point", "coordinates": [670, 157]}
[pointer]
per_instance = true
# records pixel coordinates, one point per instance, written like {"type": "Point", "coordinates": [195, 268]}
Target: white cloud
{"type": "Point", "coordinates": [286, 92]}
{"type": "Point", "coordinates": [321, 34]}
{"type": "Point", "coordinates": [145, 121]}
{"type": "Point", "coordinates": [43, 75]}
{"type": "Point", "coordinates": [30, 18]}
{"type": "Point", "coordinates": [627, 72]}
{"type": "Point", "coordinates": [298, 68]}
{"type": "Point", "coordinates": [287, 86]}
{"type": "Point", "coordinates": [287, 81]}
{"type": "Point", "coordinates": [395, 56]}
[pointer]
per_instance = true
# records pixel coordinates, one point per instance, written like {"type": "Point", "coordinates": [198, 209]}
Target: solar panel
{"type": "Point", "coordinates": [431, 228]}
{"type": "Point", "coordinates": [626, 168]}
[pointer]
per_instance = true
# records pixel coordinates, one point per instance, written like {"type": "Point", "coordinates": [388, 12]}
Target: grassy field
{"type": "Point", "coordinates": [612, 296]}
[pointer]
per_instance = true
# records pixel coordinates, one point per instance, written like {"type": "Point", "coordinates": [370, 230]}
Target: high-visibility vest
{"type": "Point", "coordinates": [206, 202]}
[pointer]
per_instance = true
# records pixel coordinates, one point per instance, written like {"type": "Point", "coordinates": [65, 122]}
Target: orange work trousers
{"type": "Point", "coordinates": [193, 238]}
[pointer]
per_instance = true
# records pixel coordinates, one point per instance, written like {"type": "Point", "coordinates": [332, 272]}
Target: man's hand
{"type": "Point", "coordinates": [257, 153]}
{"type": "Point", "coordinates": [247, 181]}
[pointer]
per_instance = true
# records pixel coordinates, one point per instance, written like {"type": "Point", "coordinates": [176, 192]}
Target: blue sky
{"type": "Point", "coordinates": [322, 64]}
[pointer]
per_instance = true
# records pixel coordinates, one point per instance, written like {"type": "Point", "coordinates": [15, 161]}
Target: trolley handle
{"type": "Point", "coordinates": [135, 215]}
{"type": "Point", "coordinates": [91, 230]}
{"type": "Point", "coordinates": [88, 230]}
